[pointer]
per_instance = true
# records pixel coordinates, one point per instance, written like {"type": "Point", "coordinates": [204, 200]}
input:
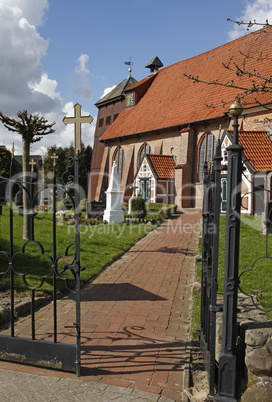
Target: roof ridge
{"type": "Point", "coordinates": [217, 47]}
{"type": "Point", "coordinates": [158, 155]}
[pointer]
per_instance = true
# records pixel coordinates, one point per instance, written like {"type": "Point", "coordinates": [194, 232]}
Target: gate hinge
{"type": "Point", "coordinates": [216, 309]}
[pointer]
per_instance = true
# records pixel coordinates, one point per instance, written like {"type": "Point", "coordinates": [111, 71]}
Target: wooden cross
{"type": "Point", "coordinates": [77, 120]}
{"type": "Point", "coordinates": [32, 163]}
{"type": "Point", "coordinates": [54, 157]}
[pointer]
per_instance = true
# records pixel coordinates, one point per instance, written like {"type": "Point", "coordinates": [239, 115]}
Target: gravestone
{"type": "Point", "coordinates": [19, 197]}
{"type": "Point", "coordinates": [113, 212]}
{"type": "Point", "coordinates": [133, 188]}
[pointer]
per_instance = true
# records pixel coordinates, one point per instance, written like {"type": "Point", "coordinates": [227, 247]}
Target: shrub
{"type": "Point", "coordinates": [138, 207]}
{"type": "Point", "coordinates": [82, 205]}
{"type": "Point", "coordinates": [60, 206]}
{"type": "Point", "coordinates": [165, 210]}
{"type": "Point", "coordinates": [68, 204]}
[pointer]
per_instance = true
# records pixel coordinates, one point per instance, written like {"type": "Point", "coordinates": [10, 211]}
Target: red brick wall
{"type": "Point", "coordinates": [257, 121]}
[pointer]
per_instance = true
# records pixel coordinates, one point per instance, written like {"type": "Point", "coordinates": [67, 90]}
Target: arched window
{"type": "Point", "coordinates": [205, 153]}
{"type": "Point", "coordinates": [119, 158]}
{"type": "Point", "coordinates": [145, 149]}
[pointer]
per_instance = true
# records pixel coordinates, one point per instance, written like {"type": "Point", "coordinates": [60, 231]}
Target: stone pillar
{"type": "Point", "coordinates": [113, 212]}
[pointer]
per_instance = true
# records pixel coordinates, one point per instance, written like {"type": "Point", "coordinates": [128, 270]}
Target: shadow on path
{"type": "Point", "coordinates": [118, 291]}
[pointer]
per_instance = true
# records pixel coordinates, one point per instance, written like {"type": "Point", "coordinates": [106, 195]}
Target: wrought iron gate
{"type": "Point", "coordinates": [223, 382]}
{"type": "Point", "coordinates": [31, 350]}
{"type": "Point", "coordinates": [210, 240]}
{"type": "Point", "coordinates": [222, 374]}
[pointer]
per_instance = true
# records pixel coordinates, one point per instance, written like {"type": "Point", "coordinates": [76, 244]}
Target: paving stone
{"type": "Point", "coordinates": [135, 326]}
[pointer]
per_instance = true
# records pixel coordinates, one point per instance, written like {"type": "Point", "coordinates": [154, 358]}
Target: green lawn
{"type": "Point", "coordinates": [252, 247]}
{"type": "Point", "coordinates": [100, 245]}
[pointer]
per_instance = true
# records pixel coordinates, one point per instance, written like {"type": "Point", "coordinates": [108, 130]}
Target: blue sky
{"type": "Point", "coordinates": [55, 53]}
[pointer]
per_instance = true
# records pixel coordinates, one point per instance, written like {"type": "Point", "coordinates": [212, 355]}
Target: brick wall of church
{"type": "Point", "coordinates": [258, 121]}
{"type": "Point", "coordinates": [106, 115]}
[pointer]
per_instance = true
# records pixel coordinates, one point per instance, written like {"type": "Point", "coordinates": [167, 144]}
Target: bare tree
{"type": "Point", "coordinates": [32, 128]}
{"type": "Point", "coordinates": [257, 83]}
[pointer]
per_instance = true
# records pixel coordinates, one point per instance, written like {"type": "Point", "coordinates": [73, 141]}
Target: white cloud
{"type": "Point", "coordinates": [83, 89]}
{"type": "Point", "coordinates": [108, 90]}
{"type": "Point", "coordinates": [46, 86]}
{"type": "Point", "coordinates": [21, 49]}
{"type": "Point", "coordinates": [82, 61]}
{"type": "Point", "coordinates": [33, 10]}
{"type": "Point", "coordinates": [258, 10]}
{"type": "Point", "coordinates": [24, 84]}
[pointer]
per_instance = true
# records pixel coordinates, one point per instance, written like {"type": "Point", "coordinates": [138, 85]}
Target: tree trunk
{"type": "Point", "coordinates": [26, 180]}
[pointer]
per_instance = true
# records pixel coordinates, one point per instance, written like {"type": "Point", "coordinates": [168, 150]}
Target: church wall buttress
{"type": "Point", "coordinates": [127, 178]}
{"type": "Point", "coordinates": [101, 177]}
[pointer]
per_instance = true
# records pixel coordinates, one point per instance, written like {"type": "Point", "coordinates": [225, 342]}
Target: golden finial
{"type": "Point", "coordinates": [129, 63]}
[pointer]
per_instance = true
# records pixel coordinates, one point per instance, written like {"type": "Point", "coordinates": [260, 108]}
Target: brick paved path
{"type": "Point", "coordinates": [135, 316]}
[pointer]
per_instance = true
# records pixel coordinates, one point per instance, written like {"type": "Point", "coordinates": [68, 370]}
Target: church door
{"type": "Point", "coordinates": [145, 187]}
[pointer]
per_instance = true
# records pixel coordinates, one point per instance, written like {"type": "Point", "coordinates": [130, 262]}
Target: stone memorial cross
{"type": "Point", "coordinates": [77, 120]}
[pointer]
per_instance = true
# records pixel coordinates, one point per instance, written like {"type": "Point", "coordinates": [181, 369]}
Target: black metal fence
{"type": "Point", "coordinates": [222, 374]}
{"type": "Point", "coordinates": [31, 350]}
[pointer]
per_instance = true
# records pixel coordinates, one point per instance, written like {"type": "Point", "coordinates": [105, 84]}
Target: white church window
{"type": "Point", "coordinates": [205, 153]}
{"type": "Point", "coordinates": [145, 149]}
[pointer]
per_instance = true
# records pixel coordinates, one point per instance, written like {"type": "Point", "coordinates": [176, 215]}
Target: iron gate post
{"type": "Point", "coordinates": [204, 251]}
{"type": "Point", "coordinates": [77, 263]}
{"type": "Point", "coordinates": [213, 307]}
{"type": "Point", "coordinates": [227, 359]}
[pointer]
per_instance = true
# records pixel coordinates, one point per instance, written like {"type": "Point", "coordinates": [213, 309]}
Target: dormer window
{"type": "Point", "coordinates": [130, 99]}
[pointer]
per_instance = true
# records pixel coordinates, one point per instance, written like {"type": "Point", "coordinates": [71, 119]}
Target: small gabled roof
{"type": "Point", "coordinates": [163, 166]}
{"type": "Point", "coordinates": [257, 149]}
{"type": "Point", "coordinates": [154, 64]}
{"type": "Point", "coordinates": [117, 91]}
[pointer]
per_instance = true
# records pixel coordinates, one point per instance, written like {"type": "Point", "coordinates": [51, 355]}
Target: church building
{"type": "Point", "coordinates": [162, 129]}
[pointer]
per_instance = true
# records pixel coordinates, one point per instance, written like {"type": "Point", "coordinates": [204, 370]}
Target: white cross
{"type": "Point", "coordinates": [77, 120]}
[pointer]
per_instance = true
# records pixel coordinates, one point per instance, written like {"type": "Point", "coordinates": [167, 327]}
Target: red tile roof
{"type": "Point", "coordinates": [163, 165]}
{"type": "Point", "coordinates": [173, 100]}
{"type": "Point", "coordinates": [258, 149]}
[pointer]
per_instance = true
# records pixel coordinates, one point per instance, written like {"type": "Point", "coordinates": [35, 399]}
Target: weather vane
{"type": "Point", "coordinates": [129, 63]}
